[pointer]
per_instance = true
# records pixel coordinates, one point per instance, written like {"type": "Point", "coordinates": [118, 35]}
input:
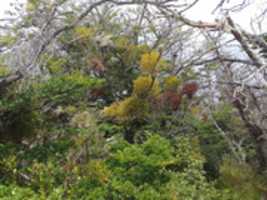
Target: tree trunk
{"type": "Point", "coordinates": [260, 139]}
{"type": "Point", "coordinates": [262, 143]}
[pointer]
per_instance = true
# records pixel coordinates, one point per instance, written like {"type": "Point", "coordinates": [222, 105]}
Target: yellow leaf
{"type": "Point", "coordinates": [171, 83]}
{"type": "Point", "coordinates": [82, 32]}
{"type": "Point", "coordinates": [142, 85]}
{"type": "Point", "coordinates": [149, 61]}
{"type": "Point", "coordinates": [127, 109]}
{"type": "Point", "coordinates": [145, 86]}
{"type": "Point", "coordinates": [195, 110]}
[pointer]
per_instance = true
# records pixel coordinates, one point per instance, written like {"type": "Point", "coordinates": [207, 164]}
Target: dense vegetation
{"type": "Point", "coordinates": [107, 118]}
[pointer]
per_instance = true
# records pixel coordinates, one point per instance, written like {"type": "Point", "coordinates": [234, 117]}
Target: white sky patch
{"type": "Point", "coordinates": [4, 6]}
{"type": "Point", "coordinates": [204, 8]}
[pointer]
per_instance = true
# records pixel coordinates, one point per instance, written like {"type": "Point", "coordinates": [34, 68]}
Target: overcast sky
{"type": "Point", "coordinates": [202, 11]}
{"type": "Point", "coordinates": [4, 5]}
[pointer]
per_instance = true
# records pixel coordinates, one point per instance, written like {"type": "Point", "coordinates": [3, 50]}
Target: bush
{"type": "Point", "coordinates": [18, 116]}
{"type": "Point", "coordinates": [156, 169]}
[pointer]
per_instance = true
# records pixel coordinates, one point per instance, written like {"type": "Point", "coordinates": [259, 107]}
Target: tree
{"type": "Point", "coordinates": [79, 77]}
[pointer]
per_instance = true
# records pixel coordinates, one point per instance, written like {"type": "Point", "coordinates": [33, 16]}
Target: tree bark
{"type": "Point", "coordinates": [260, 138]}
{"type": "Point", "coordinates": [6, 81]}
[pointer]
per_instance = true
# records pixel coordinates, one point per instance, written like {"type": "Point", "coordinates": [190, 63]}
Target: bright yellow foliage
{"type": "Point", "coordinates": [112, 111]}
{"type": "Point", "coordinates": [195, 110]}
{"type": "Point", "coordinates": [149, 61]}
{"type": "Point", "coordinates": [142, 85]}
{"type": "Point", "coordinates": [145, 86]}
{"type": "Point", "coordinates": [171, 83]}
{"type": "Point", "coordinates": [137, 105]}
{"type": "Point", "coordinates": [83, 33]}
{"type": "Point", "coordinates": [156, 89]}
{"type": "Point", "coordinates": [127, 109]}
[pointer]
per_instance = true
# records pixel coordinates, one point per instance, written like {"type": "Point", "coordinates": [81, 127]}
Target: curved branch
{"type": "Point", "coordinates": [6, 81]}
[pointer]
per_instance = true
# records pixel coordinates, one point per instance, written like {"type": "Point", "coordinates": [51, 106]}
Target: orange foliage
{"type": "Point", "coordinates": [97, 65]}
{"type": "Point", "coordinates": [171, 99]}
{"type": "Point", "coordinates": [97, 93]}
{"type": "Point", "coordinates": [190, 89]}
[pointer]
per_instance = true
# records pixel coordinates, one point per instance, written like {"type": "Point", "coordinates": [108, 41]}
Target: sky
{"type": "Point", "coordinates": [4, 5]}
{"type": "Point", "coordinates": [202, 11]}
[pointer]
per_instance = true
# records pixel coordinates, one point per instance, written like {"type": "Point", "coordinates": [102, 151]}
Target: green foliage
{"type": "Point", "coordinates": [66, 89]}
{"type": "Point", "coordinates": [242, 180]}
{"type": "Point", "coordinates": [4, 71]}
{"type": "Point", "coordinates": [56, 65]}
{"type": "Point", "coordinates": [18, 115]}
{"type": "Point", "coordinates": [13, 192]}
{"type": "Point", "coordinates": [110, 129]}
{"type": "Point", "coordinates": [155, 169]}
{"type": "Point", "coordinates": [213, 146]}
{"type": "Point", "coordinates": [20, 110]}
{"type": "Point", "coordinates": [158, 169]}
{"type": "Point", "coordinates": [83, 33]}
{"type": "Point", "coordinates": [7, 40]}
{"type": "Point", "coordinates": [153, 143]}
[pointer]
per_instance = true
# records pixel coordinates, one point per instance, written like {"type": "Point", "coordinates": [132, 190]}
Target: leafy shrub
{"type": "Point", "coordinates": [18, 117]}
{"type": "Point", "coordinates": [13, 192]}
{"type": "Point", "coordinates": [241, 180]}
{"type": "Point", "coordinates": [155, 169]}
{"type": "Point", "coordinates": [66, 89]}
